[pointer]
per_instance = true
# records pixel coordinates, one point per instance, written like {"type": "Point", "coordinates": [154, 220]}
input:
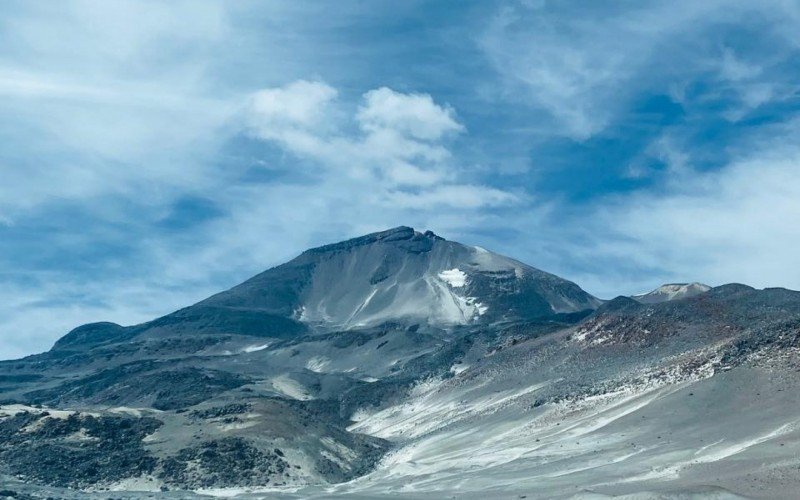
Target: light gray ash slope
{"type": "Point", "coordinates": [404, 275]}
{"type": "Point", "coordinates": [400, 363]}
{"type": "Point", "coordinates": [672, 291]}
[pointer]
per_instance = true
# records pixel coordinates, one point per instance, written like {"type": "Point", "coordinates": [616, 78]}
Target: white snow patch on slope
{"type": "Point", "coordinates": [254, 348]}
{"type": "Point", "coordinates": [11, 410]}
{"type": "Point", "coordinates": [236, 492]}
{"type": "Point", "coordinates": [143, 483]}
{"type": "Point", "coordinates": [136, 412]}
{"type": "Point", "coordinates": [714, 452]}
{"type": "Point", "coordinates": [247, 420]}
{"type": "Point", "coordinates": [429, 409]}
{"type": "Point", "coordinates": [447, 440]}
{"type": "Point", "coordinates": [290, 387]}
{"type": "Point", "coordinates": [447, 306]}
{"type": "Point", "coordinates": [317, 364]}
{"type": "Point", "coordinates": [456, 369]}
{"type": "Point", "coordinates": [454, 277]}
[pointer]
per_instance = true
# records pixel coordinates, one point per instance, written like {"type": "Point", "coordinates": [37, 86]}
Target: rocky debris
{"type": "Point", "coordinates": [221, 411]}
{"type": "Point", "coordinates": [77, 451]}
{"type": "Point", "coordinates": [152, 382]}
{"type": "Point", "coordinates": [189, 386]}
{"type": "Point", "coordinates": [80, 450]}
{"type": "Point", "coordinates": [9, 494]}
{"type": "Point", "coordinates": [720, 313]}
{"type": "Point", "coordinates": [777, 337]}
{"type": "Point", "coordinates": [403, 236]}
{"type": "Point", "coordinates": [223, 463]}
{"type": "Point", "coordinates": [368, 453]}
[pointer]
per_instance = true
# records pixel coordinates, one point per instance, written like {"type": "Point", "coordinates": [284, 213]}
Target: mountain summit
{"type": "Point", "coordinates": [672, 291]}
{"type": "Point", "coordinates": [404, 275]}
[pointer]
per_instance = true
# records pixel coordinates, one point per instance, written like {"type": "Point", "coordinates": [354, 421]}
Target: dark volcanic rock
{"type": "Point", "coordinates": [223, 463]}
{"type": "Point", "coordinates": [152, 382]}
{"type": "Point", "coordinates": [77, 451]}
{"type": "Point", "coordinates": [221, 411]}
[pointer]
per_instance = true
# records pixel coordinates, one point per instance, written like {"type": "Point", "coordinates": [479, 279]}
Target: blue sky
{"type": "Point", "coordinates": [156, 152]}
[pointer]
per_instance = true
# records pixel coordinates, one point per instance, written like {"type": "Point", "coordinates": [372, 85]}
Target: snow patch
{"type": "Point", "coordinates": [344, 454]}
{"type": "Point", "coordinates": [235, 492]}
{"type": "Point", "coordinates": [134, 412]}
{"type": "Point", "coordinates": [672, 291]}
{"type": "Point", "coordinates": [11, 410]}
{"type": "Point", "coordinates": [318, 364]}
{"type": "Point", "coordinates": [429, 408]}
{"type": "Point", "coordinates": [254, 348]}
{"type": "Point", "coordinates": [290, 387]}
{"type": "Point", "coordinates": [454, 277]}
{"type": "Point", "coordinates": [80, 436]}
{"type": "Point", "coordinates": [456, 369]}
{"type": "Point", "coordinates": [144, 483]}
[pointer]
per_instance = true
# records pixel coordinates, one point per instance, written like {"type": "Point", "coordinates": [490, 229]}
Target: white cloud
{"type": "Point", "coordinates": [401, 143]}
{"type": "Point", "coordinates": [413, 114]}
{"type": "Point", "coordinates": [301, 104]}
{"type": "Point", "coordinates": [734, 69]}
{"type": "Point", "coordinates": [746, 79]}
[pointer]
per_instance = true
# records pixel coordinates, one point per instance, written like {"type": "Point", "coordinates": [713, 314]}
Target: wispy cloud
{"type": "Point", "coordinates": [95, 101]}
{"type": "Point", "coordinates": [585, 65]}
{"type": "Point", "coordinates": [730, 224]}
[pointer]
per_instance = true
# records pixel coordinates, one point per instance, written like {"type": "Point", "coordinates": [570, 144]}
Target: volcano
{"type": "Point", "coordinates": [402, 364]}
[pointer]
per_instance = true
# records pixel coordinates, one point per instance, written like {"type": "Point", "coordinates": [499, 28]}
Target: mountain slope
{"type": "Point", "coordinates": [402, 364]}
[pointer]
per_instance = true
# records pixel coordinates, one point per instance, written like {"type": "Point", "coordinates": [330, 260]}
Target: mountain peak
{"type": "Point", "coordinates": [672, 291]}
{"type": "Point", "coordinates": [398, 275]}
{"type": "Point", "coordinates": [403, 236]}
